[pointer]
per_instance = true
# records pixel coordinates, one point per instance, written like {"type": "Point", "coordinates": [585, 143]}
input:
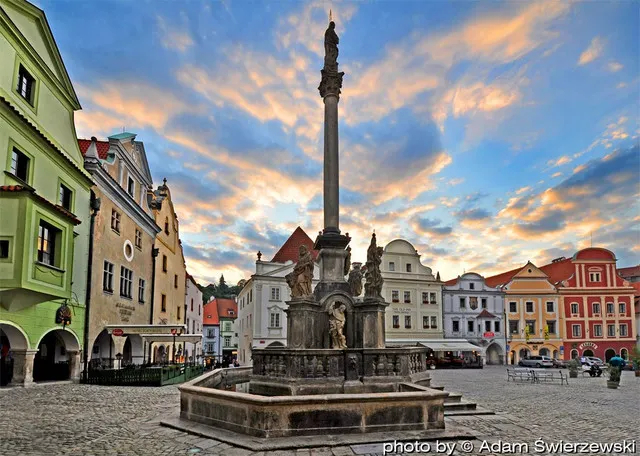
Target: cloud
{"type": "Point", "coordinates": [179, 40]}
{"type": "Point", "coordinates": [614, 66]}
{"type": "Point", "coordinates": [426, 226]}
{"type": "Point", "coordinates": [456, 181]}
{"type": "Point", "coordinates": [592, 52]}
{"type": "Point", "coordinates": [559, 161]}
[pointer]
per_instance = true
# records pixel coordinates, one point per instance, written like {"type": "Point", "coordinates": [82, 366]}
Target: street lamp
{"type": "Point", "coordinates": [173, 358]}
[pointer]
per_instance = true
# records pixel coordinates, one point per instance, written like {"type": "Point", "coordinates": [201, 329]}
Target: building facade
{"type": "Point", "coordinates": [211, 347]}
{"type": "Point", "coordinates": [228, 315]}
{"type": "Point", "coordinates": [123, 236]}
{"type": "Point", "coordinates": [262, 302]}
{"type": "Point", "coordinates": [414, 295]}
{"type": "Point", "coordinates": [44, 205]}
{"type": "Point", "coordinates": [193, 318]}
{"type": "Point", "coordinates": [475, 312]}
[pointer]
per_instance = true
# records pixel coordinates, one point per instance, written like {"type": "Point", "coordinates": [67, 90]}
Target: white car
{"type": "Point", "coordinates": [536, 361]}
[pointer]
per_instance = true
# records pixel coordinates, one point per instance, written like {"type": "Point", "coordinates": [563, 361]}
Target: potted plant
{"type": "Point", "coordinates": [614, 377]}
{"type": "Point", "coordinates": [635, 359]}
{"type": "Point", "coordinates": [573, 368]}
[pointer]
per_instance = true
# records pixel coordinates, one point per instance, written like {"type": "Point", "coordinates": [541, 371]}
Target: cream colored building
{"type": "Point", "coordinates": [123, 237]}
{"type": "Point", "coordinates": [414, 295]}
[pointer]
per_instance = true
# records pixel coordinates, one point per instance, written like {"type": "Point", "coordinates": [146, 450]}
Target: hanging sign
{"type": "Point", "coordinates": [117, 332]}
{"type": "Point", "coordinates": [63, 315]}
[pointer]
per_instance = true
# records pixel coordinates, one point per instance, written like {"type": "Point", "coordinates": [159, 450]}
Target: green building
{"type": "Point", "coordinates": [44, 205]}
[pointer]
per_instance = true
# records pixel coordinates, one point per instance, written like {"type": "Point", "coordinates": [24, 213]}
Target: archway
{"type": "Point", "coordinates": [624, 354]}
{"type": "Point", "coordinates": [587, 352]}
{"type": "Point", "coordinates": [161, 354]}
{"type": "Point", "coordinates": [555, 354]}
{"type": "Point", "coordinates": [513, 357]}
{"type": "Point", "coordinates": [544, 352]}
{"type": "Point", "coordinates": [494, 354]}
{"type": "Point", "coordinates": [132, 351]}
{"type": "Point", "coordinates": [53, 360]}
{"type": "Point", "coordinates": [574, 354]}
{"type": "Point", "coordinates": [103, 351]}
{"type": "Point", "coordinates": [608, 354]}
{"type": "Point", "coordinates": [12, 338]}
{"type": "Point", "coordinates": [523, 353]}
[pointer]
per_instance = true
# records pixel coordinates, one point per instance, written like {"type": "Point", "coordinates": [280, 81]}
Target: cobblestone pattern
{"type": "Point", "coordinates": [87, 420]}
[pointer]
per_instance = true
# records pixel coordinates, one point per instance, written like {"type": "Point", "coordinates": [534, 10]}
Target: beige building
{"type": "Point", "coordinates": [170, 272]}
{"type": "Point", "coordinates": [123, 236]}
{"type": "Point", "coordinates": [414, 294]}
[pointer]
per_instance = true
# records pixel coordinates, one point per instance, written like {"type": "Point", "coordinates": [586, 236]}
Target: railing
{"type": "Point", "coordinates": [144, 376]}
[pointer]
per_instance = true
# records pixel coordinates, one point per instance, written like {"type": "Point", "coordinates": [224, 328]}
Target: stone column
{"type": "Point", "coordinates": [331, 164]}
{"type": "Point", "coordinates": [23, 367]}
{"type": "Point", "coordinates": [74, 366]}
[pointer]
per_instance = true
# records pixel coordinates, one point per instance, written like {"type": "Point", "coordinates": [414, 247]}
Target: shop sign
{"type": "Point", "coordinates": [63, 315]}
{"type": "Point", "coordinates": [489, 335]}
{"type": "Point", "coordinates": [117, 332]}
{"type": "Point", "coordinates": [587, 345]}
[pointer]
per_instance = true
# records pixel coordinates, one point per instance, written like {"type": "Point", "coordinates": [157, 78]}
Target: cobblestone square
{"type": "Point", "coordinates": [73, 419]}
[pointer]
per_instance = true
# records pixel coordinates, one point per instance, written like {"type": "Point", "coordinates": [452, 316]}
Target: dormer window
{"type": "Point", "coordinates": [472, 286]}
{"type": "Point", "coordinates": [25, 85]}
{"type": "Point", "coordinates": [392, 266]}
{"type": "Point", "coordinates": [408, 267]}
{"type": "Point", "coordinates": [131, 186]}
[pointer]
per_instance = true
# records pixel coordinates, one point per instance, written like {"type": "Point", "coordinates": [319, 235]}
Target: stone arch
{"type": "Point", "coordinates": [574, 354]}
{"type": "Point", "coordinates": [70, 339]}
{"type": "Point", "coordinates": [588, 352]}
{"type": "Point", "coordinates": [58, 356]}
{"type": "Point", "coordinates": [494, 354]}
{"type": "Point", "coordinates": [624, 354]}
{"type": "Point", "coordinates": [18, 339]}
{"type": "Point", "coordinates": [608, 354]}
{"type": "Point", "coordinates": [275, 344]}
{"type": "Point", "coordinates": [133, 350]}
{"type": "Point", "coordinates": [523, 353]}
{"type": "Point", "coordinates": [350, 321]}
{"type": "Point", "coordinates": [103, 350]}
{"type": "Point", "coordinates": [544, 351]}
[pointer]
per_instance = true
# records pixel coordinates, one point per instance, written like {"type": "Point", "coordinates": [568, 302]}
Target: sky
{"type": "Point", "coordinates": [485, 133]}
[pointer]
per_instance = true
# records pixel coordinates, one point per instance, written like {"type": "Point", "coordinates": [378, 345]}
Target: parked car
{"type": "Point", "coordinates": [536, 361]}
{"type": "Point", "coordinates": [559, 363]}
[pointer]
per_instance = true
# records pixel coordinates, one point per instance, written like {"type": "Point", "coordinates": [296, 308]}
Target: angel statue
{"type": "Point", "coordinates": [336, 325]}
{"type": "Point", "coordinates": [331, 41]}
{"type": "Point", "coordinates": [301, 278]}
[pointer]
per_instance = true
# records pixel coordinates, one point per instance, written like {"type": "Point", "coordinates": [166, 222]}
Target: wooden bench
{"type": "Point", "coordinates": [550, 377]}
{"type": "Point", "coordinates": [520, 375]}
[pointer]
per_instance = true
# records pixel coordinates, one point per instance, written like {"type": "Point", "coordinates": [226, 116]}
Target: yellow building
{"type": "Point", "coordinates": [170, 273]}
{"type": "Point", "coordinates": [532, 307]}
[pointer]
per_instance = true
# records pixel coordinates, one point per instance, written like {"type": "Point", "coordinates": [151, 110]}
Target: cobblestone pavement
{"type": "Point", "coordinates": [68, 419]}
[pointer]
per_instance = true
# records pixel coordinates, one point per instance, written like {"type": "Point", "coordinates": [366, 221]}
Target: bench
{"type": "Point", "coordinates": [550, 377]}
{"type": "Point", "coordinates": [520, 375]}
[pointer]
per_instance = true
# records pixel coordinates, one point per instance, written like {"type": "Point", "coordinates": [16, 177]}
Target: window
{"type": "Point", "coordinates": [472, 286]}
{"type": "Point", "coordinates": [425, 322]}
{"type": "Point", "coordinates": [594, 277]}
{"type": "Point", "coordinates": [408, 267]}
{"type": "Point", "coordinates": [392, 266]}
{"type": "Point", "coordinates": [178, 313]}
{"type": "Point", "coordinates": [175, 281]}
{"type": "Point", "coordinates": [141, 291]}
{"type": "Point", "coordinates": [166, 225]}
{"type": "Point", "coordinates": [432, 298]}
{"type": "Point", "coordinates": [455, 326]}
{"type": "Point", "coordinates": [425, 297]}
{"type": "Point", "coordinates": [191, 304]}
{"type": "Point", "coordinates": [463, 302]}
{"type": "Point", "coordinates": [596, 307]}
{"type": "Point", "coordinates": [25, 85]}
{"type": "Point", "coordinates": [576, 330]}
{"type": "Point", "coordinates": [395, 296]}
{"type": "Point", "coordinates": [126, 279]}
{"type": "Point", "coordinates": [496, 326]}
{"type": "Point", "coordinates": [107, 277]}
{"type": "Point", "coordinates": [487, 326]}
{"type": "Point", "coordinates": [513, 307]}
{"type": "Point", "coordinates": [610, 308]}
{"type": "Point", "coordinates": [275, 294]}
{"type": "Point", "coordinates": [163, 303]}
{"type": "Point", "coordinates": [164, 263]}
{"type": "Point", "coordinates": [4, 249]}
{"type": "Point", "coordinates": [483, 302]}
{"type": "Point", "coordinates": [514, 327]}
{"type": "Point", "coordinates": [623, 330]}
{"type": "Point", "coordinates": [227, 341]}
{"type": "Point", "coordinates": [529, 307]}
{"type": "Point", "coordinates": [470, 326]}
{"type": "Point", "coordinates": [550, 307]}
{"type": "Point", "coordinates": [531, 324]}
{"type": "Point", "coordinates": [275, 319]}
{"type": "Point", "coordinates": [65, 197]}
{"type": "Point", "coordinates": [407, 297]}
{"type": "Point", "coordinates": [131, 186]}
{"type": "Point", "coordinates": [138, 239]}
{"type": "Point", "coordinates": [47, 243]}
{"type": "Point", "coordinates": [407, 321]}
{"type": "Point", "coordinates": [551, 326]}
{"type": "Point", "coordinates": [115, 221]}
{"type": "Point", "coordinates": [597, 330]}
{"type": "Point", "coordinates": [20, 165]}
{"type": "Point", "coordinates": [211, 332]}
{"type": "Point", "coordinates": [227, 326]}
{"type": "Point", "coordinates": [622, 308]}
{"type": "Point", "coordinates": [611, 330]}
{"type": "Point", "coordinates": [199, 309]}
{"type": "Point", "coordinates": [574, 307]}
{"type": "Point", "coordinates": [396, 321]}
{"type": "Point", "coordinates": [434, 323]}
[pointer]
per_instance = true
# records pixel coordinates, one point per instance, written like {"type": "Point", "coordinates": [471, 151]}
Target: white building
{"type": "Point", "coordinates": [262, 320]}
{"type": "Point", "coordinates": [413, 293]}
{"type": "Point", "coordinates": [193, 318]}
{"type": "Point", "coordinates": [474, 311]}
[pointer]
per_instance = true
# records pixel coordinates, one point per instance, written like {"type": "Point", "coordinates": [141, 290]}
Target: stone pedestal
{"type": "Point", "coordinates": [370, 324]}
{"type": "Point", "coordinates": [331, 273]}
{"type": "Point", "coordinates": [23, 367]}
{"type": "Point", "coordinates": [75, 366]}
{"type": "Point", "coordinates": [302, 323]}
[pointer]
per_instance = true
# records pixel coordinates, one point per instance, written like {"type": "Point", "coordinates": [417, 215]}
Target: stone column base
{"type": "Point", "coordinates": [23, 367]}
{"type": "Point", "coordinates": [370, 324]}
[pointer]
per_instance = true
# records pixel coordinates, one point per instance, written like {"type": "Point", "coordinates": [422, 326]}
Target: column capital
{"type": "Point", "coordinates": [331, 83]}
{"type": "Point", "coordinates": [24, 351]}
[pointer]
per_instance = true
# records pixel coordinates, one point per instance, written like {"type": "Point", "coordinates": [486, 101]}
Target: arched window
{"type": "Point", "coordinates": [624, 354]}
{"type": "Point", "coordinates": [574, 354]}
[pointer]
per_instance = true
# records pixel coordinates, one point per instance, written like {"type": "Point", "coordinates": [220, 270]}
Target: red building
{"type": "Point", "coordinates": [598, 306]}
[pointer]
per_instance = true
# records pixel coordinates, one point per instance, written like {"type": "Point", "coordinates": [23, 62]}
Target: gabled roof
{"type": "Point", "coordinates": [633, 271]}
{"type": "Point", "coordinates": [227, 308]}
{"type": "Point", "coordinates": [210, 315]}
{"type": "Point", "coordinates": [558, 271]}
{"type": "Point", "coordinates": [289, 250]}
{"type": "Point", "coordinates": [485, 314]}
{"type": "Point", "coordinates": [503, 278]}
{"type": "Point", "coordinates": [103, 147]}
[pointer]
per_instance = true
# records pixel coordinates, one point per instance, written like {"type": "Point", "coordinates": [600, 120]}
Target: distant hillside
{"type": "Point", "coordinates": [220, 290]}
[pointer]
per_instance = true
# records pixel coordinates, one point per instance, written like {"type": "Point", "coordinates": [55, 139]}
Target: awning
{"type": "Point", "coordinates": [169, 338]}
{"type": "Point", "coordinates": [451, 346]}
{"type": "Point", "coordinates": [145, 329]}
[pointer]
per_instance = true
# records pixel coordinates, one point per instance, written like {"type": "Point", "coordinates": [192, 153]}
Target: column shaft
{"type": "Point", "coordinates": [331, 164]}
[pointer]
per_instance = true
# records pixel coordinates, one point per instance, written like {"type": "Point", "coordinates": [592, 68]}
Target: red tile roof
{"type": "Point", "coordinates": [558, 271]}
{"type": "Point", "coordinates": [485, 314]}
{"type": "Point", "coordinates": [632, 271]}
{"type": "Point", "coordinates": [289, 250]}
{"type": "Point", "coordinates": [55, 207]}
{"type": "Point", "coordinates": [501, 279]}
{"type": "Point", "coordinates": [227, 308]}
{"type": "Point", "coordinates": [451, 282]}
{"type": "Point", "coordinates": [102, 146]}
{"type": "Point", "coordinates": [210, 316]}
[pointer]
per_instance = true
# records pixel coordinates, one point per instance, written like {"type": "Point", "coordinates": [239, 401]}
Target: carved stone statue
{"type": "Point", "coordinates": [331, 41]}
{"type": "Point", "coordinates": [374, 281]}
{"type": "Point", "coordinates": [347, 261]}
{"type": "Point", "coordinates": [336, 325]}
{"type": "Point", "coordinates": [301, 278]}
{"type": "Point", "coordinates": [355, 279]}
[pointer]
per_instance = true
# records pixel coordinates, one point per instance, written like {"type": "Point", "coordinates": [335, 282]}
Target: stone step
{"type": "Point", "coordinates": [441, 388]}
{"type": "Point", "coordinates": [477, 411]}
{"type": "Point", "coordinates": [461, 405]}
{"type": "Point", "coordinates": [453, 398]}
